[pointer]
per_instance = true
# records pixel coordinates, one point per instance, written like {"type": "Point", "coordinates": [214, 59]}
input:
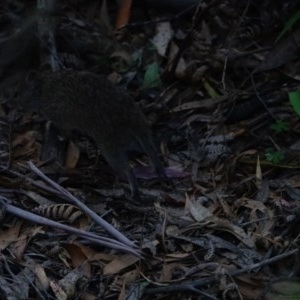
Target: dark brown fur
{"type": "Point", "coordinates": [89, 103]}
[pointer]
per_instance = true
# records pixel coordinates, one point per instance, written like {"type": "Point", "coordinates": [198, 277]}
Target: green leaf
{"type": "Point", "coordinates": [152, 77]}
{"type": "Point", "coordinates": [291, 21]}
{"type": "Point", "coordinates": [275, 157]}
{"type": "Point", "coordinates": [209, 89]}
{"type": "Point", "coordinates": [284, 289]}
{"type": "Point", "coordinates": [294, 98]}
{"type": "Point", "coordinates": [280, 126]}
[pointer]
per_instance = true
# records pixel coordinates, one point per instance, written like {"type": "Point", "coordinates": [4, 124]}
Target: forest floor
{"type": "Point", "coordinates": [219, 82]}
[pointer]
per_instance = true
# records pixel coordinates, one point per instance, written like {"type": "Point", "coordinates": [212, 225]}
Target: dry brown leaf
{"type": "Point", "coordinates": [225, 206]}
{"type": "Point", "coordinates": [258, 174]}
{"type": "Point", "coordinates": [59, 293]}
{"type": "Point", "coordinates": [251, 288]}
{"type": "Point", "coordinates": [89, 296]}
{"type": "Point", "coordinates": [25, 145]}
{"type": "Point", "coordinates": [119, 263]}
{"type": "Point", "coordinates": [204, 103]}
{"type": "Point", "coordinates": [72, 156]}
{"type": "Point", "coordinates": [93, 255]}
{"type": "Point", "coordinates": [20, 245]}
{"type": "Point", "coordinates": [175, 256]}
{"type": "Point", "coordinates": [168, 271]}
{"type": "Point", "coordinates": [123, 13]}
{"type": "Point", "coordinates": [122, 294]}
{"type": "Point", "coordinates": [42, 281]}
{"type": "Point", "coordinates": [224, 225]}
{"type": "Point", "coordinates": [130, 276]}
{"type": "Point", "coordinates": [79, 259]}
{"type": "Point", "coordinates": [9, 235]}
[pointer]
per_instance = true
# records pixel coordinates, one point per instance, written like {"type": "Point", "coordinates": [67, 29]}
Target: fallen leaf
{"type": "Point", "coordinates": [120, 263]}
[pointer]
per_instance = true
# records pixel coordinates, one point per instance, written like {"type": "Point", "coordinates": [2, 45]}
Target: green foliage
{"type": "Point", "coordinates": [291, 21]}
{"type": "Point", "coordinates": [275, 157]}
{"type": "Point", "coordinates": [209, 89]}
{"type": "Point", "coordinates": [284, 290]}
{"type": "Point", "coordinates": [280, 126]}
{"type": "Point", "coordinates": [294, 98]}
{"type": "Point", "coordinates": [152, 77]}
{"type": "Point", "coordinates": [151, 48]}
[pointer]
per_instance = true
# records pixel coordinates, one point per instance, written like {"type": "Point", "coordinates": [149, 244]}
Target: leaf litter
{"type": "Point", "coordinates": [217, 88]}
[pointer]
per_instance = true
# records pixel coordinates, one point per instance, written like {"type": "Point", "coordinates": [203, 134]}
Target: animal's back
{"type": "Point", "coordinates": [89, 103]}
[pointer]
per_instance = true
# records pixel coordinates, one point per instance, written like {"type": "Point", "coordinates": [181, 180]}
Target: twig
{"type": "Point", "coordinates": [261, 99]}
{"type": "Point", "coordinates": [191, 287]}
{"type": "Point", "coordinates": [67, 195]}
{"type": "Point", "coordinates": [104, 241]}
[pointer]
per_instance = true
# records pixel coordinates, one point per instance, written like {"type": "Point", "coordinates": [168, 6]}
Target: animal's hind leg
{"type": "Point", "coordinates": [119, 162]}
{"type": "Point", "coordinates": [135, 193]}
{"type": "Point", "coordinates": [150, 149]}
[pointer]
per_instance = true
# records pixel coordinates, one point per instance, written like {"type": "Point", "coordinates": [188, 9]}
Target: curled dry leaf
{"type": "Point", "coordinates": [198, 211]}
